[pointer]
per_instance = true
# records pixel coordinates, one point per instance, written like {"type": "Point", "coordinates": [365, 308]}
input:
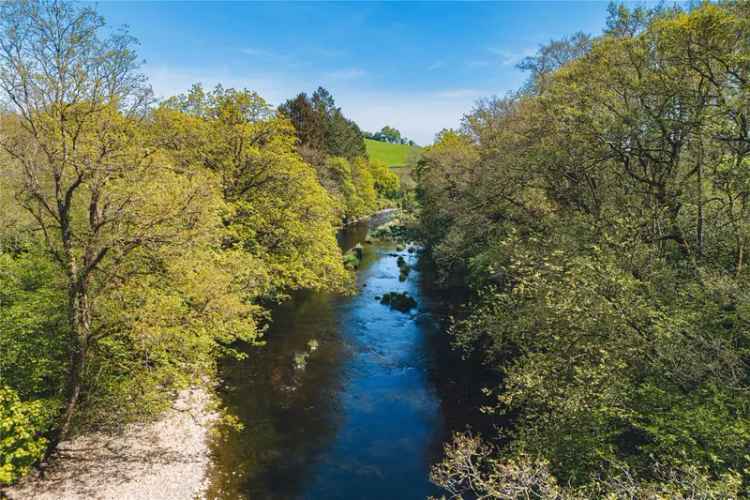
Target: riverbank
{"type": "Point", "coordinates": [163, 460]}
{"type": "Point", "coordinates": [380, 214]}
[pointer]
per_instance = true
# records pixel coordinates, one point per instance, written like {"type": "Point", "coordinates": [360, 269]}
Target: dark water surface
{"type": "Point", "coordinates": [348, 399]}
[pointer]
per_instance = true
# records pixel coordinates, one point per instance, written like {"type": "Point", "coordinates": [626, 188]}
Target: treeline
{"type": "Point", "coordinates": [390, 135]}
{"type": "Point", "coordinates": [335, 146]}
{"type": "Point", "coordinates": [140, 240]}
{"type": "Point", "coordinates": [601, 216]}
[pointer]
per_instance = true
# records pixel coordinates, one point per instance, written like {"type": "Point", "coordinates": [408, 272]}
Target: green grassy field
{"type": "Point", "coordinates": [393, 155]}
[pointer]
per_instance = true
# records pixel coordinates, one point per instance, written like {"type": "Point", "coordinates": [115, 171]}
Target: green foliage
{"type": "Point", "coordinates": [351, 261]}
{"type": "Point", "coordinates": [322, 126]}
{"type": "Point", "coordinates": [386, 182]}
{"type": "Point", "coordinates": [137, 244]}
{"type": "Point", "coordinates": [600, 217]}
{"type": "Point", "coordinates": [33, 324]}
{"type": "Point", "coordinates": [365, 202]}
{"type": "Point", "coordinates": [390, 135]}
{"type": "Point", "coordinates": [32, 358]}
{"type": "Point", "coordinates": [353, 257]}
{"type": "Point", "coordinates": [334, 146]}
{"type": "Point", "coordinates": [21, 427]}
{"type": "Point", "coordinates": [277, 210]}
{"type": "Point", "coordinates": [352, 186]}
{"type": "Point", "coordinates": [472, 468]}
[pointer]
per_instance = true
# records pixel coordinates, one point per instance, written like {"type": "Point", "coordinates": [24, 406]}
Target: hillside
{"type": "Point", "coordinates": [393, 155]}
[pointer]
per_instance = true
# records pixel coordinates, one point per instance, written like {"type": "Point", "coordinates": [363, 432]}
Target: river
{"type": "Point", "coordinates": [347, 400]}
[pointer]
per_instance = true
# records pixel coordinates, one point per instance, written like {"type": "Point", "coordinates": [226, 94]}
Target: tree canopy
{"type": "Point", "coordinates": [140, 241]}
{"type": "Point", "coordinates": [321, 125]}
{"type": "Point", "coordinates": [391, 135]}
{"type": "Point", "coordinates": [335, 146]}
{"type": "Point", "coordinates": [600, 218]}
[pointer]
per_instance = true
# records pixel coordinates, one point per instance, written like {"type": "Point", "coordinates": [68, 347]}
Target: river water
{"type": "Point", "coordinates": [347, 400]}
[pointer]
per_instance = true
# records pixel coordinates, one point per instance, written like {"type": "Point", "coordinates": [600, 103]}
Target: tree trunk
{"type": "Point", "coordinates": [740, 257]}
{"type": "Point", "coordinates": [699, 229]}
{"type": "Point", "coordinates": [78, 361]}
{"type": "Point", "coordinates": [80, 323]}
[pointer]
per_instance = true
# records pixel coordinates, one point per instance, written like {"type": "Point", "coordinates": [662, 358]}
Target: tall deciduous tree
{"type": "Point", "coordinates": [100, 197]}
{"type": "Point", "coordinates": [278, 210]}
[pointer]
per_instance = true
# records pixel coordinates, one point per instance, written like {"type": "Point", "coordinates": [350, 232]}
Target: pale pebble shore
{"type": "Point", "coordinates": [164, 460]}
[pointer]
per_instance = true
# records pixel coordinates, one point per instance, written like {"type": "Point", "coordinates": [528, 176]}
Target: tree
{"type": "Point", "coordinates": [109, 207]}
{"type": "Point", "coordinates": [308, 122]}
{"type": "Point", "coordinates": [387, 183]}
{"type": "Point", "coordinates": [344, 137]}
{"type": "Point", "coordinates": [278, 211]}
{"type": "Point", "coordinates": [390, 134]}
{"type": "Point", "coordinates": [352, 185]}
{"type": "Point", "coordinates": [552, 56]}
{"type": "Point", "coordinates": [321, 126]}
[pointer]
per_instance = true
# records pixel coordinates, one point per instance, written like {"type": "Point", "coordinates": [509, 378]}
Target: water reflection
{"type": "Point", "coordinates": [289, 414]}
{"type": "Point", "coordinates": [363, 418]}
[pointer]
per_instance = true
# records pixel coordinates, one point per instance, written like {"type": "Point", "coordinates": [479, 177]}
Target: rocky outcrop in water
{"type": "Point", "coordinates": [399, 301]}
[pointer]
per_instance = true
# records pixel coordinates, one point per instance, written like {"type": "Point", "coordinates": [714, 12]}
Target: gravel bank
{"type": "Point", "coordinates": [163, 460]}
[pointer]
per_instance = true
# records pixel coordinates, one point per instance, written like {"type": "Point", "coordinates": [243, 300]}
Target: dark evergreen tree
{"type": "Point", "coordinates": [321, 125]}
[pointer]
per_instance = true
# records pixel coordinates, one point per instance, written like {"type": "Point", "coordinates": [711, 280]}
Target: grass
{"type": "Point", "coordinates": [393, 155]}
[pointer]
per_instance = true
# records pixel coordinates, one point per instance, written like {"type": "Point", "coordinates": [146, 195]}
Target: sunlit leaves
{"type": "Point", "coordinates": [601, 220]}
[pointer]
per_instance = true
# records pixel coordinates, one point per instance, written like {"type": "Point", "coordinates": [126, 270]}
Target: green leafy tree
{"type": "Point", "coordinates": [21, 443]}
{"type": "Point", "coordinates": [387, 183]}
{"type": "Point", "coordinates": [389, 134]}
{"type": "Point", "coordinates": [599, 217]}
{"type": "Point", "coordinates": [307, 120]}
{"type": "Point", "coordinates": [112, 211]}
{"type": "Point", "coordinates": [278, 211]}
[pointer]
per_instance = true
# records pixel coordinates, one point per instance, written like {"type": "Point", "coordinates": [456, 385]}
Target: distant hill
{"type": "Point", "coordinates": [393, 155]}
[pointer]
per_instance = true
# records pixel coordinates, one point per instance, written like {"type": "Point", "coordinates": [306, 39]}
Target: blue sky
{"type": "Point", "coordinates": [416, 66]}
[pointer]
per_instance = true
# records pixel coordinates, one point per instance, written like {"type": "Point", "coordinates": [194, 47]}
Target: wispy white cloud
{"type": "Point", "coordinates": [512, 57]}
{"type": "Point", "coordinates": [436, 65]}
{"type": "Point", "coordinates": [459, 93]}
{"type": "Point", "coordinates": [168, 81]}
{"type": "Point", "coordinates": [256, 52]}
{"type": "Point", "coordinates": [479, 63]}
{"type": "Point", "coordinates": [345, 74]}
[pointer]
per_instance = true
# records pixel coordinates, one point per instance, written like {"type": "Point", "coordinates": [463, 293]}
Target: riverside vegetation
{"type": "Point", "coordinates": [600, 215]}
{"type": "Point", "coordinates": [139, 240]}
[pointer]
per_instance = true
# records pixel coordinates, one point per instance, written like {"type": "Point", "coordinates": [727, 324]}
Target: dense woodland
{"type": "Point", "coordinates": [601, 217]}
{"type": "Point", "coordinates": [140, 239]}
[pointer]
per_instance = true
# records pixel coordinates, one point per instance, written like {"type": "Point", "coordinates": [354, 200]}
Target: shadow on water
{"type": "Point", "coordinates": [349, 399]}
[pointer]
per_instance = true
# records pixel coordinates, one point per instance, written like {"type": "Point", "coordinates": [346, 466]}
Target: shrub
{"type": "Point", "coordinates": [22, 424]}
